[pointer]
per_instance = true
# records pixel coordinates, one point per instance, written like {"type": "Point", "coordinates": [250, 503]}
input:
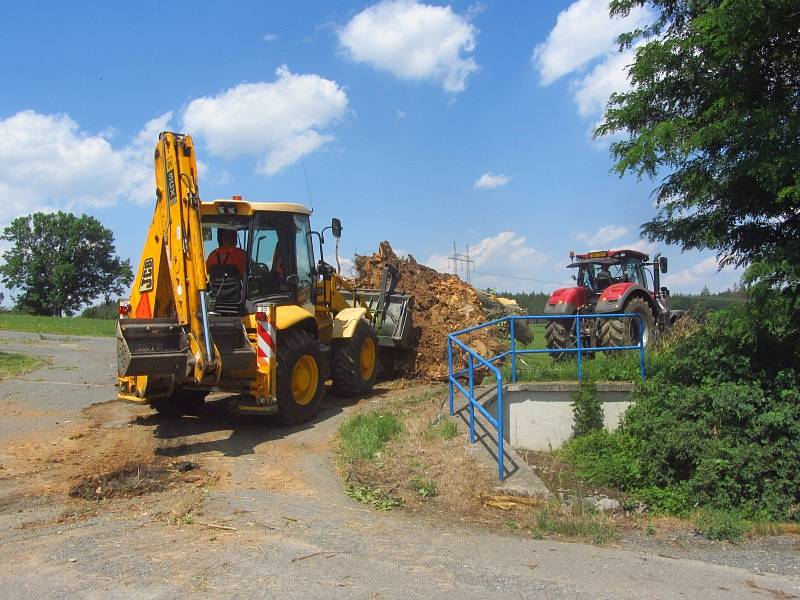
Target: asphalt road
{"type": "Point", "coordinates": [289, 531]}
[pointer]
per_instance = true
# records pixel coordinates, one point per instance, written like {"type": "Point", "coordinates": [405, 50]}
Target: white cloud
{"type": "Point", "coordinates": [270, 37]}
{"type": "Point", "coordinates": [503, 261]}
{"type": "Point", "coordinates": [48, 163]}
{"type": "Point", "coordinates": [591, 93]}
{"type": "Point", "coordinates": [583, 31]}
{"type": "Point", "coordinates": [584, 37]}
{"type": "Point", "coordinates": [693, 275]}
{"type": "Point", "coordinates": [490, 180]}
{"type": "Point", "coordinates": [401, 114]}
{"type": "Point", "coordinates": [602, 236]}
{"type": "Point", "coordinates": [413, 41]}
{"type": "Point", "coordinates": [278, 120]}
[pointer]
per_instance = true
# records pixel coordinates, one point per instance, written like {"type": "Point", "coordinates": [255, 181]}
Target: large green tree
{"type": "Point", "coordinates": [714, 116]}
{"type": "Point", "coordinates": [60, 262]}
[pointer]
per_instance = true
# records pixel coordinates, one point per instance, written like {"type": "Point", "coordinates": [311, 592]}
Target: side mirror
{"type": "Point", "coordinates": [662, 264]}
{"type": "Point", "coordinates": [293, 280]}
{"type": "Point", "coordinates": [336, 228]}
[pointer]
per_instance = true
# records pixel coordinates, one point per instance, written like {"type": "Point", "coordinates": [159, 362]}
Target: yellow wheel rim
{"type": "Point", "coordinates": [305, 376]}
{"type": "Point", "coordinates": [368, 354]}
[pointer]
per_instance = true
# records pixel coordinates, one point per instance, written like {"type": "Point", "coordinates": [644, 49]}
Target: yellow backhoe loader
{"type": "Point", "coordinates": [228, 297]}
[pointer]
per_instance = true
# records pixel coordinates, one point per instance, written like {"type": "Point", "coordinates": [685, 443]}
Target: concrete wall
{"type": "Point", "coordinates": [538, 416]}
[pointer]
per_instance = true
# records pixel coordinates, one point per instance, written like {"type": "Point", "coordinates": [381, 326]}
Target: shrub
{"type": "Point", "coordinates": [717, 424]}
{"type": "Point", "coordinates": [721, 525]}
{"type": "Point", "coordinates": [587, 410]}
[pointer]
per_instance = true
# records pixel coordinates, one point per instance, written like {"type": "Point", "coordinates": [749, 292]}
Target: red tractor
{"type": "Point", "coordinates": [611, 282]}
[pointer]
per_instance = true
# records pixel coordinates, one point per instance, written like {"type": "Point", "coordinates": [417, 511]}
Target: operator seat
{"type": "Point", "coordinates": [226, 284]}
{"type": "Point", "coordinates": [602, 280]}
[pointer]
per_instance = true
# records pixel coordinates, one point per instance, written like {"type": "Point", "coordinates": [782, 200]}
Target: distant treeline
{"type": "Point", "coordinates": [705, 301]}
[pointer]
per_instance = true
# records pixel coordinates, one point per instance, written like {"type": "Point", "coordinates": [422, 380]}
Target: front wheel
{"type": "Point", "coordinates": [301, 382]}
{"type": "Point", "coordinates": [355, 362]}
{"type": "Point", "coordinates": [626, 332]}
{"type": "Point", "coordinates": [560, 334]}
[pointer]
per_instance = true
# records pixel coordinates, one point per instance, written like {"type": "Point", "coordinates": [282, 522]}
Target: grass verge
{"type": "Point", "coordinates": [406, 455]}
{"type": "Point", "coordinates": [14, 363]}
{"type": "Point", "coordinates": [58, 325]}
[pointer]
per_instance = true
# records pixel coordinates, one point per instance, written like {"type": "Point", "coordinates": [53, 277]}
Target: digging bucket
{"type": "Point", "coordinates": [153, 347]}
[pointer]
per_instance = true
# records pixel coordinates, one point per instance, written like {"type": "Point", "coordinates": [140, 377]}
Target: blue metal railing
{"type": "Point", "coordinates": [472, 357]}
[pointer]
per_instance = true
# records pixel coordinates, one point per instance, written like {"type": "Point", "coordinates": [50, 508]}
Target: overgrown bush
{"type": "Point", "coordinates": [717, 423]}
{"type": "Point", "coordinates": [587, 410]}
{"type": "Point", "coordinates": [106, 310]}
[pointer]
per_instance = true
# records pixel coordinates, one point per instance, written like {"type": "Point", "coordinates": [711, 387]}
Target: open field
{"type": "Point", "coordinates": [57, 325]}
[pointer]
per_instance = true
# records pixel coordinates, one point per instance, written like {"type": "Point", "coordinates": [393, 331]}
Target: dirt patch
{"type": "Point", "coordinates": [442, 304]}
{"type": "Point", "coordinates": [137, 479]}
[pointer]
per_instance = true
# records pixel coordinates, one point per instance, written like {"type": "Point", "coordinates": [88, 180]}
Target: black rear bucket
{"type": "Point", "coordinates": [153, 347]}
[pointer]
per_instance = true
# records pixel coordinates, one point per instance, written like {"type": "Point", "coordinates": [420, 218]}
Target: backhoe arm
{"type": "Point", "coordinates": [165, 342]}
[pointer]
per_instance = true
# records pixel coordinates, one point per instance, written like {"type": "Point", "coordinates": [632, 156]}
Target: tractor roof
{"type": "Point", "coordinates": [611, 255]}
{"type": "Point", "coordinates": [245, 207]}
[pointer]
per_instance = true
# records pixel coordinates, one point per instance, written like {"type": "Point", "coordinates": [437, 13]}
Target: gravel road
{"type": "Point", "coordinates": [274, 523]}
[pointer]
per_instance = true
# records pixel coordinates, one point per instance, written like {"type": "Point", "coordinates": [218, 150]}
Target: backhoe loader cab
{"type": "Point", "coordinates": [228, 296]}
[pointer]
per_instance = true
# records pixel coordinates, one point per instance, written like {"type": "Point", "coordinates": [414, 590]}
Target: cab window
{"type": "Point", "coordinates": [304, 254]}
{"type": "Point", "coordinates": [268, 255]}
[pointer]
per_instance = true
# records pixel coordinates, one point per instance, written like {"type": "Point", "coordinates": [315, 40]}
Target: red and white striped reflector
{"type": "Point", "coordinates": [266, 336]}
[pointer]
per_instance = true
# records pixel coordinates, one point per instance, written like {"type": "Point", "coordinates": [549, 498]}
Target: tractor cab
{"type": "Point", "coordinates": [256, 253]}
{"type": "Point", "coordinates": [599, 270]}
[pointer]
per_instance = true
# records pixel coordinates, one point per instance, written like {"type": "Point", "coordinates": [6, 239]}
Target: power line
{"type": "Point", "coordinates": [461, 258]}
{"type": "Point", "coordinates": [505, 276]}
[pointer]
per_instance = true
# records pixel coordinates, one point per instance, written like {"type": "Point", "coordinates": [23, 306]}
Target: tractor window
{"type": "Point", "coordinates": [269, 254]}
{"type": "Point", "coordinates": [225, 242]}
{"type": "Point", "coordinates": [305, 260]}
{"type": "Point", "coordinates": [633, 272]}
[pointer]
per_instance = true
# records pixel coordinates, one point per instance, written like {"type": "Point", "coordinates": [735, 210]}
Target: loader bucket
{"type": "Point", "coordinates": [153, 347]}
{"type": "Point", "coordinates": [394, 324]}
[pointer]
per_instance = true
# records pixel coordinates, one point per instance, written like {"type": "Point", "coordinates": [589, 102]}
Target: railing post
{"type": "Point", "coordinates": [450, 372]}
{"type": "Point", "coordinates": [513, 350]}
{"type": "Point", "coordinates": [578, 338]}
{"type": "Point", "coordinates": [500, 428]}
{"type": "Point", "coordinates": [641, 345]}
{"type": "Point", "coordinates": [471, 399]}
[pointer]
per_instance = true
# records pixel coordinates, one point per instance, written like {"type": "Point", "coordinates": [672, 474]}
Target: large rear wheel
{"type": "Point", "coordinates": [355, 362]}
{"type": "Point", "coordinates": [560, 334]}
{"type": "Point", "coordinates": [301, 381]}
{"type": "Point", "coordinates": [625, 332]}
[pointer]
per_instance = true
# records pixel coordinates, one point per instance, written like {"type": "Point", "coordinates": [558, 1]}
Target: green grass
{"type": "Point", "coordinates": [375, 497]}
{"type": "Point", "coordinates": [617, 366]}
{"type": "Point", "coordinates": [445, 429]}
{"type": "Point", "coordinates": [364, 435]}
{"type": "Point", "coordinates": [13, 364]}
{"type": "Point", "coordinates": [58, 325]}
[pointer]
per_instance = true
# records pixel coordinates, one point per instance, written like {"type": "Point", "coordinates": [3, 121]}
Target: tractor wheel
{"type": "Point", "coordinates": [301, 381]}
{"type": "Point", "coordinates": [560, 333]}
{"type": "Point", "coordinates": [625, 332]}
{"type": "Point", "coordinates": [355, 362]}
{"type": "Point", "coordinates": [181, 402]}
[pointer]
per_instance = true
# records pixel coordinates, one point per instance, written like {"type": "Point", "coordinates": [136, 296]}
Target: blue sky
{"type": "Point", "coordinates": [421, 124]}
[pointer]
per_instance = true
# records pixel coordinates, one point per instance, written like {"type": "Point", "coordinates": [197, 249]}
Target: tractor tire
{"type": "Point", "coordinates": [625, 332]}
{"type": "Point", "coordinates": [355, 362]}
{"type": "Point", "coordinates": [181, 402]}
{"type": "Point", "coordinates": [559, 333]}
{"type": "Point", "coordinates": [301, 381]}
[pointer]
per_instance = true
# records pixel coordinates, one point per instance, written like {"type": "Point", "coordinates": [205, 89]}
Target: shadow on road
{"type": "Point", "coordinates": [183, 435]}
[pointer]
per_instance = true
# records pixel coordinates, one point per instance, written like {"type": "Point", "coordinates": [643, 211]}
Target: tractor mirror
{"type": "Point", "coordinates": [662, 264]}
{"type": "Point", "coordinates": [336, 228]}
